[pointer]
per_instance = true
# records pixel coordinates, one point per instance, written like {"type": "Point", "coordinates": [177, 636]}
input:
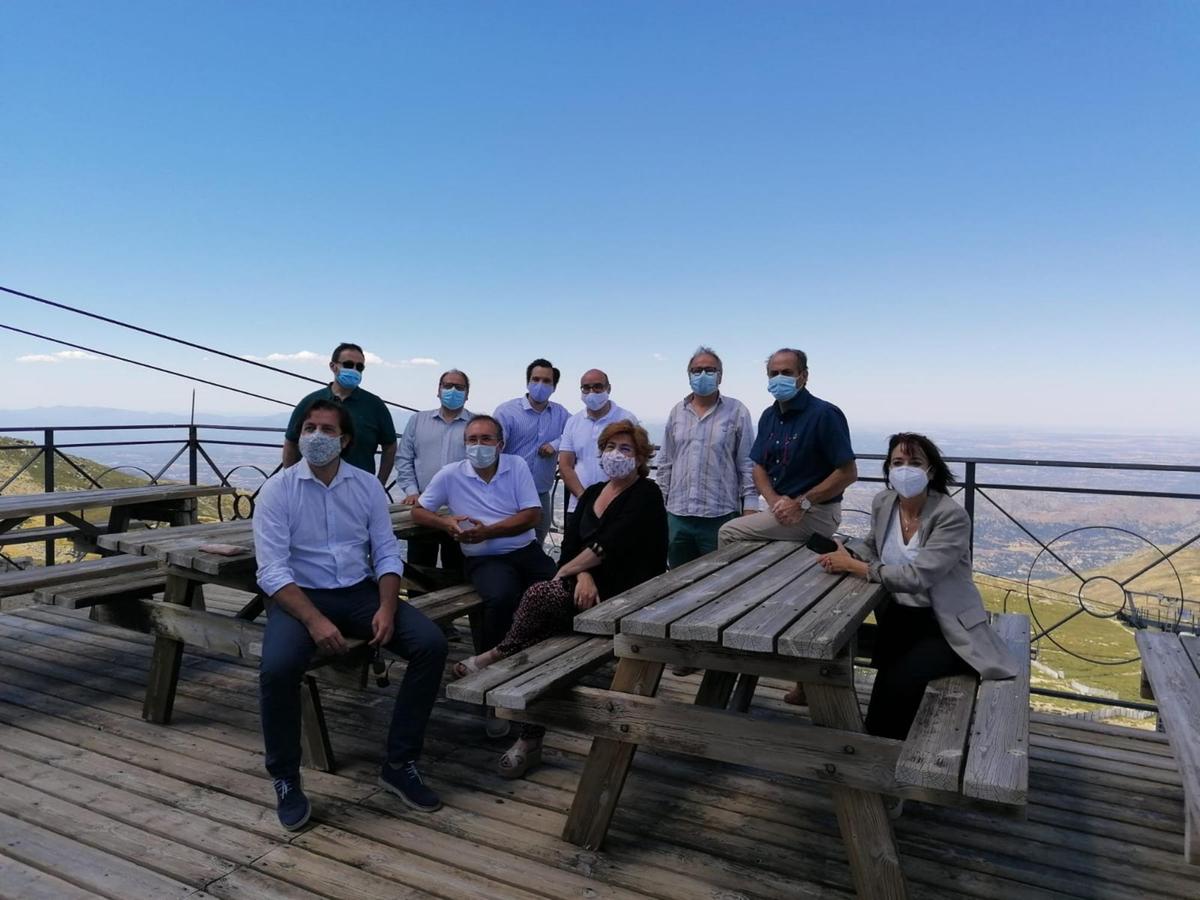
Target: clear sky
{"type": "Point", "coordinates": [968, 213]}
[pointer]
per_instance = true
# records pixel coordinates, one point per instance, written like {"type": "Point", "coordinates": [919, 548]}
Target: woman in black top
{"type": "Point", "coordinates": [615, 540]}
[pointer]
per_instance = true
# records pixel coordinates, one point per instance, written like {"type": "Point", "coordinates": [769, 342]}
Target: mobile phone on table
{"type": "Point", "coordinates": [818, 543]}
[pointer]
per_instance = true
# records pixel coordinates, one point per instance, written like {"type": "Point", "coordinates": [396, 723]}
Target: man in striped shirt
{"type": "Point", "coordinates": [533, 427]}
{"type": "Point", "coordinates": [704, 467]}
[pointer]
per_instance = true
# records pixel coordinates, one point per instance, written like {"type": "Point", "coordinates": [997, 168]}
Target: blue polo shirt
{"type": "Point", "coordinates": [802, 444]}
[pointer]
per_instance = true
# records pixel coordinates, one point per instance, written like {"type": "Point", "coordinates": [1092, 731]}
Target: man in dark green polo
{"type": "Point", "coordinates": [373, 425]}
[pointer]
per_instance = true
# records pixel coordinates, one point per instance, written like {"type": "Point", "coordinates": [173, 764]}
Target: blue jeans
{"type": "Point", "coordinates": [288, 649]}
{"type": "Point", "coordinates": [500, 581]}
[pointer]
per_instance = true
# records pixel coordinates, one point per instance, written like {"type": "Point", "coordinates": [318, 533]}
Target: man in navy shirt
{"type": "Point", "coordinates": [802, 459]}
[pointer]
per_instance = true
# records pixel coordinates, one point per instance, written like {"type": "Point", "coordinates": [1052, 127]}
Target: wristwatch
{"type": "Point", "coordinates": [805, 504]}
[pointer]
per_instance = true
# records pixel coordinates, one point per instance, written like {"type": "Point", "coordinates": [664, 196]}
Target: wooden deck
{"type": "Point", "coordinates": [95, 801]}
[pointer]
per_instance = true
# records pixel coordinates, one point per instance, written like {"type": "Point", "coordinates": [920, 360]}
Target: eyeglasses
{"type": "Point", "coordinates": [597, 387]}
{"type": "Point", "coordinates": [348, 364]}
{"type": "Point", "coordinates": [703, 370]}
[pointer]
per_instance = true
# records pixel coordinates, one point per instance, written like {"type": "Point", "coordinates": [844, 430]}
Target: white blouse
{"type": "Point", "coordinates": [895, 552]}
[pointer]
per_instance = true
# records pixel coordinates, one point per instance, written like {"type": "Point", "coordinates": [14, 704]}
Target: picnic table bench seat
{"type": "Point", "coordinates": [47, 533]}
{"type": "Point", "coordinates": [29, 580]}
{"type": "Point", "coordinates": [129, 585]}
{"type": "Point", "coordinates": [1171, 677]}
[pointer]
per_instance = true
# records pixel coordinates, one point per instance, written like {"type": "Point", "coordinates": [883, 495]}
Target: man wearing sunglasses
{"type": "Point", "coordinates": [373, 425]}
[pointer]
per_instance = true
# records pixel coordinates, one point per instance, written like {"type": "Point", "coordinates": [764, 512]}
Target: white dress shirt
{"type": "Point", "coordinates": [580, 436]}
{"type": "Point", "coordinates": [323, 537]}
{"type": "Point", "coordinates": [526, 429]}
{"type": "Point", "coordinates": [511, 490]}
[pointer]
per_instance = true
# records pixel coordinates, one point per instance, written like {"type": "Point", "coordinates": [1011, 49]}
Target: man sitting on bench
{"type": "Point", "coordinates": [330, 563]}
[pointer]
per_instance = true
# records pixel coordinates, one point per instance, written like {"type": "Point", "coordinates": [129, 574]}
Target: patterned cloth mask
{"type": "Point", "coordinates": [320, 449]}
{"type": "Point", "coordinates": [616, 464]}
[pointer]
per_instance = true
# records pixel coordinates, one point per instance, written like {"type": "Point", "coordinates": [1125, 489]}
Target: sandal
{"type": "Point", "coordinates": [466, 667]}
{"type": "Point", "coordinates": [516, 762]}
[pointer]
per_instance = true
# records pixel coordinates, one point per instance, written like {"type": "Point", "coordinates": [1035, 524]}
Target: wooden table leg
{"type": "Point", "coordinates": [608, 763]}
{"type": "Point", "coordinates": [168, 655]}
{"type": "Point", "coordinates": [716, 688]}
{"type": "Point", "coordinates": [862, 817]}
{"type": "Point", "coordinates": [315, 748]}
{"type": "Point", "coordinates": [743, 694]}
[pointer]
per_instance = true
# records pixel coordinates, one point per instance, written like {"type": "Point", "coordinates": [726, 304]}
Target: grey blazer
{"type": "Point", "coordinates": [942, 573]}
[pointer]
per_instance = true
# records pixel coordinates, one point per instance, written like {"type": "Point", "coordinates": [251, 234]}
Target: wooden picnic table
{"type": "Point", "coordinates": [171, 503]}
{"type": "Point", "coordinates": [754, 610]}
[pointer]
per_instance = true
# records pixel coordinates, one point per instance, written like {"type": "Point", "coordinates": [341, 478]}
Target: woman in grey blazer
{"type": "Point", "coordinates": [919, 548]}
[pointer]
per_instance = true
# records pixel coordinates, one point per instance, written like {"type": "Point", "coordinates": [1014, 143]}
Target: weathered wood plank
{"type": "Point", "coordinates": [997, 766]}
{"type": "Point", "coordinates": [934, 751]}
{"type": "Point", "coordinates": [14, 506]}
{"type": "Point", "coordinates": [77, 595]}
{"type": "Point", "coordinates": [474, 687]}
{"type": "Point", "coordinates": [27, 580]}
{"type": "Point", "coordinates": [827, 627]}
{"type": "Point", "coordinates": [603, 618]}
{"type": "Point", "coordinates": [703, 655]}
{"type": "Point", "coordinates": [706, 623]}
{"type": "Point", "coordinates": [540, 681]}
{"type": "Point", "coordinates": [23, 882]}
{"type": "Point", "coordinates": [655, 619]}
{"type": "Point", "coordinates": [758, 628]}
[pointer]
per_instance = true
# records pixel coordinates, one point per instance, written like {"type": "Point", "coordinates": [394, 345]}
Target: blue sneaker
{"type": "Point", "coordinates": [291, 805]}
{"type": "Point", "coordinates": [405, 782]}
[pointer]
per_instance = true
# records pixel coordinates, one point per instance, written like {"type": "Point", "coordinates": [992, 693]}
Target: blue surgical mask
{"type": "Point", "coordinates": [783, 387]}
{"type": "Point", "coordinates": [482, 455]}
{"type": "Point", "coordinates": [349, 378]}
{"type": "Point", "coordinates": [595, 402]}
{"type": "Point", "coordinates": [453, 398]}
{"type": "Point", "coordinates": [539, 391]}
{"type": "Point", "coordinates": [704, 384]}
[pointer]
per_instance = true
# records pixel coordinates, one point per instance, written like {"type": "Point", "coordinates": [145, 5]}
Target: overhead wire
{"type": "Point", "coordinates": [178, 340]}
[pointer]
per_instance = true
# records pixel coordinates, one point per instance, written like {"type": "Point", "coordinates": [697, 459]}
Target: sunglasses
{"type": "Point", "coordinates": [347, 364]}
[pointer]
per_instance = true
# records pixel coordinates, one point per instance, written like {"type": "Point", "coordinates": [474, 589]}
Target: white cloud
{"type": "Point", "coordinates": [373, 359]}
{"type": "Point", "coordinates": [659, 356]}
{"type": "Point", "coordinates": [60, 356]}
{"type": "Point", "coordinates": [419, 361]}
{"type": "Point", "coordinates": [298, 356]}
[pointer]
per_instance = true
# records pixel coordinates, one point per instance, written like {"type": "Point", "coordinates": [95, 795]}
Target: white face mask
{"type": "Point", "coordinates": [908, 481]}
{"type": "Point", "coordinates": [616, 464]}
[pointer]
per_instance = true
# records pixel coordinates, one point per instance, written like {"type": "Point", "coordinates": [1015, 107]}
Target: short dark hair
{"type": "Point", "coordinates": [801, 356]}
{"type": "Point", "coordinates": [483, 418]}
{"type": "Point", "coordinates": [540, 363]}
{"type": "Point", "coordinates": [345, 422]}
{"type": "Point", "coordinates": [466, 380]}
{"type": "Point", "coordinates": [940, 476]}
{"type": "Point", "coordinates": [345, 345]}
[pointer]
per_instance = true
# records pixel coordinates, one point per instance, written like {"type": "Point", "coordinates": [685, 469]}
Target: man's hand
{"type": "Point", "coordinates": [586, 595]}
{"type": "Point", "coordinates": [787, 511]}
{"type": "Point", "coordinates": [466, 530]}
{"type": "Point", "coordinates": [383, 625]}
{"type": "Point", "coordinates": [411, 500]}
{"type": "Point", "coordinates": [546, 450]}
{"type": "Point", "coordinates": [326, 636]}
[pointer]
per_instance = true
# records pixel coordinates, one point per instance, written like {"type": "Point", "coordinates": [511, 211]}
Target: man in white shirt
{"type": "Point", "coordinates": [494, 508]}
{"type": "Point", "coordinates": [578, 452]}
{"type": "Point", "coordinates": [330, 564]}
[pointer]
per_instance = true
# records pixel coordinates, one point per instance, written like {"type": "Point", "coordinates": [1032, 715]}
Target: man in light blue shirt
{"type": "Point", "coordinates": [432, 439]}
{"type": "Point", "coordinates": [533, 426]}
{"type": "Point", "coordinates": [330, 564]}
{"type": "Point", "coordinates": [494, 508]}
{"type": "Point", "coordinates": [579, 452]}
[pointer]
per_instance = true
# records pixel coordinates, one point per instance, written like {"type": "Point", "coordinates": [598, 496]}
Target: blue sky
{"type": "Point", "coordinates": [974, 214]}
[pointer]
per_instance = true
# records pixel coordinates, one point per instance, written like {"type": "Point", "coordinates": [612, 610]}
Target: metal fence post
{"type": "Point", "coordinates": [193, 454]}
{"type": "Point", "coordinates": [48, 484]}
{"type": "Point", "coordinates": [969, 501]}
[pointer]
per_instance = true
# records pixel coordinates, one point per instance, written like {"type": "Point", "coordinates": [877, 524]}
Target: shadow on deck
{"type": "Point", "coordinates": [93, 800]}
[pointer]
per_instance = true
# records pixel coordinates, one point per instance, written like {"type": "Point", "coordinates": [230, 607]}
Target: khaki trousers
{"type": "Point", "coordinates": [823, 518]}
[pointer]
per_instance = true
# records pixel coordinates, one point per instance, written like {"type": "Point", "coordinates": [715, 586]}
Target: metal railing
{"type": "Point", "coordinates": [989, 488]}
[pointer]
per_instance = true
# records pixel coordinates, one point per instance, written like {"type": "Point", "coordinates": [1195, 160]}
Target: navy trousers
{"type": "Point", "coordinates": [501, 580]}
{"type": "Point", "coordinates": [288, 649]}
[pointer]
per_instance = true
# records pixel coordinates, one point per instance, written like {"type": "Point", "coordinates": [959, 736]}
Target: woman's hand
{"type": "Point", "coordinates": [839, 560]}
{"type": "Point", "coordinates": [586, 595]}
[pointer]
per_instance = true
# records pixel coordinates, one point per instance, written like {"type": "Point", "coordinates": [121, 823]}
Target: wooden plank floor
{"type": "Point", "coordinates": [95, 801]}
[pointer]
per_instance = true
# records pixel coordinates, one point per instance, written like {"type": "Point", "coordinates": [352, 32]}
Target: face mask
{"type": "Point", "coordinates": [320, 449]}
{"type": "Point", "coordinates": [482, 455]}
{"type": "Point", "coordinates": [349, 378]}
{"type": "Point", "coordinates": [908, 481]}
{"type": "Point", "coordinates": [453, 398]}
{"type": "Point", "coordinates": [616, 464]}
{"type": "Point", "coordinates": [704, 384]}
{"type": "Point", "coordinates": [783, 387]}
{"type": "Point", "coordinates": [539, 391]}
{"type": "Point", "coordinates": [595, 402]}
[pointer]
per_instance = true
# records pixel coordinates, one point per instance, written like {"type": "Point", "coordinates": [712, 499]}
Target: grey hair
{"type": "Point", "coordinates": [801, 357]}
{"type": "Point", "coordinates": [706, 351]}
{"type": "Point", "coordinates": [466, 380]}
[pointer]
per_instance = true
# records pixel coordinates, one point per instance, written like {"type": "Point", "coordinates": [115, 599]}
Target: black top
{"type": "Point", "coordinates": [631, 536]}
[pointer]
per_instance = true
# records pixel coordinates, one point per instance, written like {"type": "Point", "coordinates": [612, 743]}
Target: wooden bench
{"type": "Point", "coordinates": [46, 533]}
{"type": "Point", "coordinates": [111, 589]}
{"type": "Point", "coordinates": [30, 580]}
{"type": "Point", "coordinates": [517, 681]}
{"type": "Point", "coordinates": [1171, 677]}
{"type": "Point", "coordinates": [972, 736]}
